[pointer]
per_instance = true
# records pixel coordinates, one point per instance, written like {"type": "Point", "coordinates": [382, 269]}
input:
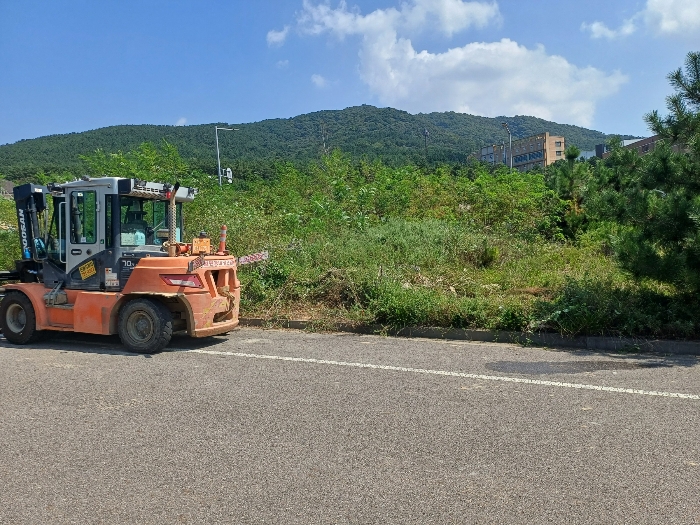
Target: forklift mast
{"type": "Point", "coordinates": [30, 204]}
{"type": "Point", "coordinates": [30, 201]}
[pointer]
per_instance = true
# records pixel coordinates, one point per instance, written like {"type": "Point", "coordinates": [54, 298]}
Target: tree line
{"type": "Point", "coordinates": [364, 132]}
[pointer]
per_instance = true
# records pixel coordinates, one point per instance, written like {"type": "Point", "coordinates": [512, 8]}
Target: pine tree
{"type": "Point", "coordinates": [659, 194]}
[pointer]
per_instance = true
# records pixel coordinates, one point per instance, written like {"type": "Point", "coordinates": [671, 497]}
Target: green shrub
{"type": "Point", "coordinates": [590, 306]}
{"type": "Point", "coordinates": [468, 248]}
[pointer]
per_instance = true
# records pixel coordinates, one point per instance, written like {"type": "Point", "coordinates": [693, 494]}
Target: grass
{"type": "Point", "coordinates": [429, 273]}
{"type": "Point", "coordinates": [455, 248]}
{"type": "Point", "coordinates": [466, 250]}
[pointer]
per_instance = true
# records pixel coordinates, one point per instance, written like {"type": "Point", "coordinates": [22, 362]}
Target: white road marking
{"type": "Point", "coordinates": [453, 374]}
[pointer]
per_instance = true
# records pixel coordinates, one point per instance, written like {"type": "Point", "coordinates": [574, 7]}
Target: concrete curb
{"type": "Point", "coordinates": [543, 339]}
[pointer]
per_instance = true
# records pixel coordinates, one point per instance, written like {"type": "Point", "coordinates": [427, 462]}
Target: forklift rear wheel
{"type": "Point", "coordinates": [18, 320]}
{"type": "Point", "coordinates": [145, 326]}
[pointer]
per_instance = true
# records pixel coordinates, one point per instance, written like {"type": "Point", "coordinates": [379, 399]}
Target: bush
{"type": "Point", "coordinates": [404, 246]}
{"type": "Point", "coordinates": [598, 307]}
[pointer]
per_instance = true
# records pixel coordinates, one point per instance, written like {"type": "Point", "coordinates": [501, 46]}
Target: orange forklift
{"type": "Point", "coordinates": [105, 256]}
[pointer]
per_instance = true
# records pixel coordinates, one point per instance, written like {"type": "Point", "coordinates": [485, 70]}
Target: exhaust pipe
{"type": "Point", "coordinates": [172, 223]}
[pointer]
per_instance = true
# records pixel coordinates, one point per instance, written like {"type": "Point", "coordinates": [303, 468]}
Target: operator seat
{"type": "Point", "coordinates": [134, 219]}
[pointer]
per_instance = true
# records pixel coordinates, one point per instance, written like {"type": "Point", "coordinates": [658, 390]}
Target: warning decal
{"type": "Point", "coordinates": [111, 278]}
{"type": "Point", "coordinates": [201, 245]}
{"type": "Point", "coordinates": [87, 270]}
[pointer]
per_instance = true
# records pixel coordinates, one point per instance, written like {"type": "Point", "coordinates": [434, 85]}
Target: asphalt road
{"type": "Point", "coordinates": [266, 426]}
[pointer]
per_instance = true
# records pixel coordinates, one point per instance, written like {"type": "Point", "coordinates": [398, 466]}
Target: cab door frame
{"type": "Point", "coordinates": [84, 230]}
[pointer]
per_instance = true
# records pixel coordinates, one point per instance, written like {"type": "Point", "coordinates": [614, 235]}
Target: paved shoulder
{"type": "Point", "coordinates": [291, 427]}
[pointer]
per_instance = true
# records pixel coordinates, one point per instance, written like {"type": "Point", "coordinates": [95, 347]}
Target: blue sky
{"type": "Point", "coordinates": [70, 66]}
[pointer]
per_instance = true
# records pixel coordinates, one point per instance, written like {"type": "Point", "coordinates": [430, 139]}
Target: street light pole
{"type": "Point", "coordinates": [218, 157]}
{"type": "Point", "coordinates": [510, 143]}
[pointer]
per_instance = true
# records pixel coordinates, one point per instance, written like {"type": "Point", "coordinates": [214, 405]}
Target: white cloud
{"type": "Point", "coordinates": [283, 64]}
{"type": "Point", "coordinates": [181, 121]}
{"type": "Point", "coordinates": [319, 81]}
{"type": "Point", "coordinates": [600, 30]}
{"type": "Point", "coordinates": [663, 17]}
{"type": "Point", "coordinates": [672, 16]}
{"type": "Point", "coordinates": [277, 38]}
{"type": "Point", "coordinates": [487, 79]}
{"type": "Point", "coordinates": [448, 16]}
{"type": "Point", "coordinates": [452, 16]}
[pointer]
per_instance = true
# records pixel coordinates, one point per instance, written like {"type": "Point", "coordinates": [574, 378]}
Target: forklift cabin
{"type": "Point", "coordinates": [99, 229]}
{"type": "Point", "coordinates": [106, 256]}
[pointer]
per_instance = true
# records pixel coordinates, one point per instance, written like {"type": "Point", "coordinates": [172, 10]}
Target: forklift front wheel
{"type": "Point", "coordinates": [145, 326]}
{"type": "Point", "coordinates": [18, 319]}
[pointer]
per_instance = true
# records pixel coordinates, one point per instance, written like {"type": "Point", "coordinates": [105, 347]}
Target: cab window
{"type": "Point", "coordinates": [83, 217]}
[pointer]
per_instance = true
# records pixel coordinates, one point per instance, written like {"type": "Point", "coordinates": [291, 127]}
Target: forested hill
{"type": "Point", "coordinates": [396, 137]}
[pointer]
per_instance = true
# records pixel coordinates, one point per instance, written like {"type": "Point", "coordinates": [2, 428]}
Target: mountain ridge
{"type": "Point", "coordinates": [365, 132]}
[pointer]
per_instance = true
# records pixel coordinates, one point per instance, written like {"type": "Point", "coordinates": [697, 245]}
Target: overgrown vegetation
{"type": "Point", "coordinates": [9, 237]}
{"type": "Point", "coordinates": [598, 247]}
{"type": "Point", "coordinates": [468, 247]}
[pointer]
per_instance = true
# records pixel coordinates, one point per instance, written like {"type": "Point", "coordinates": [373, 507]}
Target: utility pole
{"type": "Point", "coordinates": [218, 157]}
{"type": "Point", "coordinates": [324, 137]}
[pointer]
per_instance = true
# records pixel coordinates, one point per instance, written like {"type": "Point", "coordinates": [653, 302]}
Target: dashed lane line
{"type": "Point", "coordinates": [504, 379]}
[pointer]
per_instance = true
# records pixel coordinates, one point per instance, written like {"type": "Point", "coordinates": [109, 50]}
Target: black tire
{"type": "Point", "coordinates": [145, 326]}
{"type": "Point", "coordinates": [18, 319]}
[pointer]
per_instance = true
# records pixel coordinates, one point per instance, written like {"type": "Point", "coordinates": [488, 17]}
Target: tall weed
{"type": "Point", "coordinates": [471, 248]}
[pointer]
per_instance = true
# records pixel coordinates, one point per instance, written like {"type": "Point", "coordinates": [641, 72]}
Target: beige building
{"type": "Point", "coordinates": [538, 150]}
